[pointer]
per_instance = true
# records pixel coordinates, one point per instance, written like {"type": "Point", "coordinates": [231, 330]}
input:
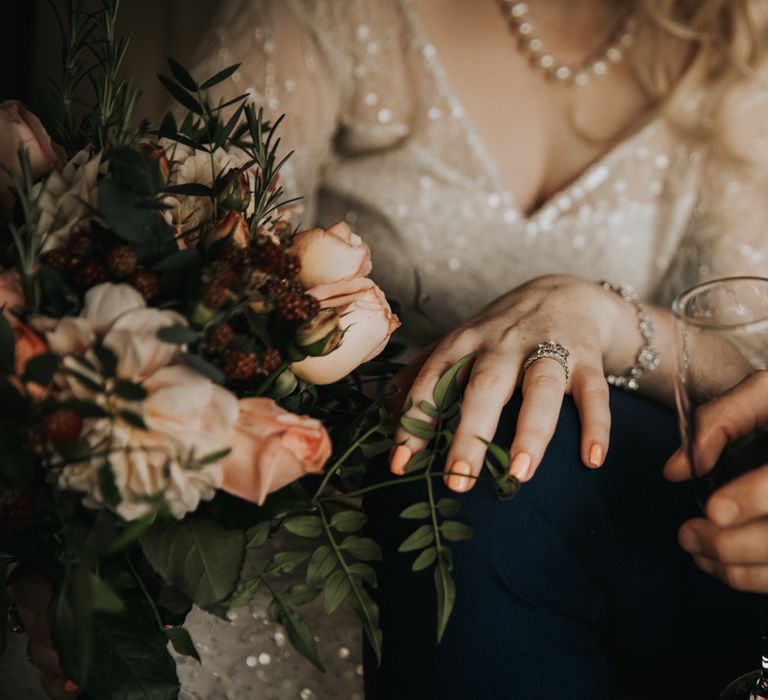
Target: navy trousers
{"type": "Point", "coordinates": [575, 588]}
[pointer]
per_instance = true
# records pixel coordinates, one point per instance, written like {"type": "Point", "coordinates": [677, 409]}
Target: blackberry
{"type": "Point", "coordinates": [58, 259]}
{"type": "Point", "coordinates": [239, 366]}
{"type": "Point", "coordinates": [62, 426]}
{"type": "Point", "coordinates": [90, 273]}
{"type": "Point", "coordinates": [146, 282]}
{"type": "Point", "coordinates": [269, 360]}
{"type": "Point", "coordinates": [216, 294]}
{"type": "Point", "coordinates": [297, 307]}
{"type": "Point", "coordinates": [122, 260]}
{"type": "Point", "coordinates": [80, 244]}
{"type": "Point", "coordinates": [221, 336]}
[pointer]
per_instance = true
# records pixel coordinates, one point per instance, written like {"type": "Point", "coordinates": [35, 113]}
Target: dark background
{"type": "Point", "coordinates": [15, 49]}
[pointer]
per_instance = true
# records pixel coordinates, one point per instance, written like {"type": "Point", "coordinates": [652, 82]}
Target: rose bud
{"type": "Point", "coordinates": [329, 256]}
{"type": "Point", "coordinates": [233, 227]}
{"type": "Point", "coordinates": [320, 335]}
{"type": "Point", "coordinates": [19, 127]}
{"type": "Point", "coordinates": [155, 153]}
{"type": "Point", "coordinates": [284, 384]}
{"type": "Point", "coordinates": [235, 194]}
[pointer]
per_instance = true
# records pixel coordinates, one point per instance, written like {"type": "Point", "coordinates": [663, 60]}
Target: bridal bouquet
{"type": "Point", "coordinates": [183, 372]}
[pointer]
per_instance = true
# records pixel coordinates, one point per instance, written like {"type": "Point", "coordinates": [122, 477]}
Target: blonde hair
{"type": "Point", "coordinates": [699, 48]}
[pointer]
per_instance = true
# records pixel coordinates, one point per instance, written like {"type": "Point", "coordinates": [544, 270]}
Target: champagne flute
{"type": "Point", "coordinates": [722, 338]}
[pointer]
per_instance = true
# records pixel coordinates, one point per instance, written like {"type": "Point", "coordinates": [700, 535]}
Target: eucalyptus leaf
{"type": "Point", "coordinates": [336, 589]}
{"type": "Point", "coordinates": [446, 391]}
{"type": "Point", "coordinates": [221, 76]}
{"type": "Point", "coordinates": [182, 75]}
{"type": "Point", "coordinates": [417, 511]}
{"type": "Point", "coordinates": [349, 521]}
{"type": "Point", "coordinates": [425, 559]}
{"type": "Point", "coordinates": [197, 555]}
{"type": "Point", "coordinates": [305, 526]}
{"type": "Point", "coordinates": [182, 96]}
{"type": "Point", "coordinates": [368, 612]}
{"type": "Point", "coordinates": [182, 642]}
{"type": "Point", "coordinates": [365, 572]}
{"type": "Point", "coordinates": [421, 537]}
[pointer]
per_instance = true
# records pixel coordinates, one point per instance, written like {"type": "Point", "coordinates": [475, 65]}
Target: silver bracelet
{"type": "Point", "coordinates": [648, 358]}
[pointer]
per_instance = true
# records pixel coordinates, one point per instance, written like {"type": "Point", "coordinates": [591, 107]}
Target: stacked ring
{"type": "Point", "coordinates": [552, 350]}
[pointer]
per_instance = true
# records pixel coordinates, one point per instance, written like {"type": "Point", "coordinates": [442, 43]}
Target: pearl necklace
{"type": "Point", "coordinates": [581, 73]}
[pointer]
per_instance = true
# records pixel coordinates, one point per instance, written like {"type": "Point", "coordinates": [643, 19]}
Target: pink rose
{"type": "Point", "coordinates": [270, 449]}
{"type": "Point", "coordinates": [330, 256]}
{"type": "Point", "coordinates": [19, 127]}
{"type": "Point", "coordinates": [367, 322]}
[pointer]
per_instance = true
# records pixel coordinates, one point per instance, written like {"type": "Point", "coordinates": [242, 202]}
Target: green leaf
{"type": "Point", "coordinates": [258, 534]}
{"type": "Point", "coordinates": [182, 642]}
{"type": "Point", "coordinates": [421, 537]}
{"type": "Point", "coordinates": [213, 457]}
{"type": "Point", "coordinates": [133, 419]}
{"type": "Point", "coordinates": [322, 562]}
{"type": "Point", "coordinates": [130, 391]}
{"type": "Point", "coordinates": [299, 634]}
{"type": "Point", "coordinates": [364, 571]}
{"type": "Point", "coordinates": [196, 555]}
{"type": "Point", "coordinates": [499, 453]}
{"type": "Point", "coordinates": [243, 594]}
{"type": "Point", "coordinates": [419, 461]}
{"type": "Point", "coordinates": [87, 409]}
{"type": "Point", "coordinates": [174, 601]}
{"type": "Point", "coordinates": [336, 589]}
{"type": "Point", "coordinates": [446, 392]}
{"type": "Point", "coordinates": [190, 189]}
{"type": "Point", "coordinates": [429, 409]}
{"type": "Point", "coordinates": [129, 167]}
{"type": "Point", "coordinates": [41, 368]}
{"type": "Point", "coordinates": [425, 559]}
{"type": "Point", "coordinates": [446, 597]}
{"type": "Point", "coordinates": [362, 548]}
{"type": "Point", "coordinates": [284, 562]}
{"type": "Point", "coordinates": [107, 360]}
{"type": "Point", "coordinates": [368, 612]}
{"type": "Point", "coordinates": [305, 526]}
{"type": "Point", "coordinates": [178, 261]}
{"type": "Point", "coordinates": [108, 484]}
{"type": "Point", "coordinates": [349, 521]}
{"type": "Point", "coordinates": [182, 96]}
{"type": "Point", "coordinates": [204, 367]}
{"type": "Point", "coordinates": [417, 511]}
{"type": "Point", "coordinates": [418, 428]}
{"type": "Point", "coordinates": [300, 594]}
{"type": "Point", "coordinates": [454, 531]}
{"type": "Point", "coordinates": [104, 598]}
{"type": "Point", "coordinates": [178, 335]}
{"type": "Point", "coordinates": [221, 76]}
{"type": "Point", "coordinates": [7, 347]}
{"type": "Point", "coordinates": [182, 75]}
{"type": "Point", "coordinates": [448, 507]}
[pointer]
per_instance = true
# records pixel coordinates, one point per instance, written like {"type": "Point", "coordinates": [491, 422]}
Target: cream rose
{"type": "Point", "coordinates": [270, 448]}
{"type": "Point", "coordinates": [367, 322]}
{"type": "Point", "coordinates": [19, 127]}
{"type": "Point", "coordinates": [330, 255]}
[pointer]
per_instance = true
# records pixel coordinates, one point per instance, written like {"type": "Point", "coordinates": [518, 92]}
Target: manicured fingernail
{"type": "Point", "coordinates": [400, 458]}
{"type": "Point", "coordinates": [596, 455]}
{"type": "Point", "coordinates": [521, 466]}
{"type": "Point", "coordinates": [459, 479]}
{"type": "Point", "coordinates": [71, 687]}
{"type": "Point", "coordinates": [689, 541]}
{"type": "Point", "coordinates": [724, 510]}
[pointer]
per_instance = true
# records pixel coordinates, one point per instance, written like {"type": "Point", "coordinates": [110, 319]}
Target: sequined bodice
{"type": "Point", "coordinates": [382, 141]}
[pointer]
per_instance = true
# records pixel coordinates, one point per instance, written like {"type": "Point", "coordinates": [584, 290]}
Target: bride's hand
{"type": "Point", "coordinates": [578, 314]}
{"type": "Point", "coordinates": [32, 593]}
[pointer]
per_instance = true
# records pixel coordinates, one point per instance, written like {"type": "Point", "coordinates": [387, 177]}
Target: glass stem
{"type": "Point", "coordinates": [761, 687]}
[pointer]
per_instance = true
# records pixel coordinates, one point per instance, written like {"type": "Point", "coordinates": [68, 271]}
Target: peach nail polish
{"type": "Point", "coordinates": [400, 458]}
{"type": "Point", "coordinates": [521, 466]}
{"type": "Point", "coordinates": [71, 687]}
{"type": "Point", "coordinates": [459, 479]}
{"type": "Point", "coordinates": [596, 455]}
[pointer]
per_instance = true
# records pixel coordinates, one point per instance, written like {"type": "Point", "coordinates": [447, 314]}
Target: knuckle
{"type": "Point", "coordinates": [545, 383]}
{"type": "Point", "coordinates": [720, 546]}
{"type": "Point", "coordinates": [535, 434]}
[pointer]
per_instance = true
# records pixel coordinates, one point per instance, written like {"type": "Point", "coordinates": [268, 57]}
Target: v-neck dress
{"type": "Point", "coordinates": [382, 141]}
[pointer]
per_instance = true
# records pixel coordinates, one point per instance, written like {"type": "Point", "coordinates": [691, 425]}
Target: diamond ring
{"type": "Point", "coordinates": [552, 350]}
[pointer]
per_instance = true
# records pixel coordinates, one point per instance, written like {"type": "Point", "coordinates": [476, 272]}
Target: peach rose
{"type": "Point", "coordinates": [367, 322]}
{"type": "Point", "coordinates": [233, 226]}
{"type": "Point", "coordinates": [19, 127]}
{"type": "Point", "coordinates": [331, 255]}
{"type": "Point", "coordinates": [28, 344]}
{"type": "Point", "coordinates": [270, 449]}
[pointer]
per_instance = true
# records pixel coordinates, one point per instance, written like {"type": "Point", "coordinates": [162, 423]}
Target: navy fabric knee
{"type": "Point", "coordinates": [572, 589]}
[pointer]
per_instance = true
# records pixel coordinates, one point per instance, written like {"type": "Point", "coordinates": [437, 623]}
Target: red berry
{"type": "Point", "coordinates": [221, 336]}
{"type": "Point", "coordinates": [239, 366]}
{"type": "Point", "coordinates": [297, 307]}
{"type": "Point", "coordinates": [91, 273]}
{"type": "Point", "coordinates": [121, 260]}
{"type": "Point", "coordinates": [80, 244]}
{"type": "Point", "coordinates": [269, 360]}
{"type": "Point", "coordinates": [58, 259]}
{"type": "Point", "coordinates": [231, 255]}
{"type": "Point", "coordinates": [215, 294]}
{"type": "Point", "coordinates": [62, 426]}
{"type": "Point", "coordinates": [271, 257]}
{"type": "Point", "coordinates": [146, 282]}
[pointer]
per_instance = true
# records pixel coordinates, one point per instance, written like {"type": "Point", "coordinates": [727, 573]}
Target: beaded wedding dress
{"type": "Point", "coordinates": [383, 142]}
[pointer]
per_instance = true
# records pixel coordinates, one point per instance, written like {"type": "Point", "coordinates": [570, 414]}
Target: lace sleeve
{"type": "Point", "coordinates": [283, 70]}
{"type": "Point", "coordinates": [728, 230]}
